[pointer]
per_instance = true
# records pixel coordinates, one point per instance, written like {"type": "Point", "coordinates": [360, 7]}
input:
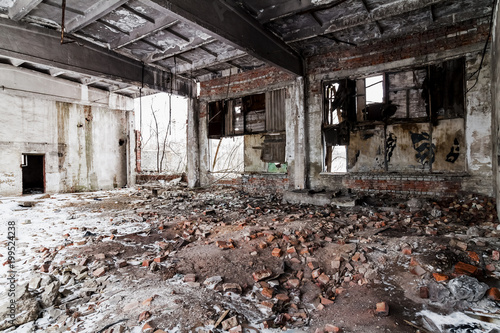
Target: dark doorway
{"type": "Point", "coordinates": [33, 174]}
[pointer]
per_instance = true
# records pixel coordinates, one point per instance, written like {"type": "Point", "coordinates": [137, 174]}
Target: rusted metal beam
{"type": "Point", "coordinates": [42, 46]}
{"type": "Point", "coordinates": [232, 25]}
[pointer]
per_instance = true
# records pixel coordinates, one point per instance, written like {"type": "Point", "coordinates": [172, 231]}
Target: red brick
{"type": "Point", "coordinates": [99, 272]}
{"type": "Point", "coordinates": [283, 297]}
{"type": "Point", "coordinates": [493, 294]}
{"type": "Point", "coordinates": [462, 268]}
{"type": "Point", "coordinates": [332, 328]}
{"type": "Point", "coordinates": [145, 315]}
{"type": "Point", "coordinates": [323, 278]}
{"type": "Point", "coordinates": [267, 292]}
{"type": "Point", "coordinates": [424, 292]}
{"type": "Point", "coordinates": [276, 252]}
{"type": "Point", "coordinates": [262, 274]}
{"type": "Point", "coordinates": [382, 309]}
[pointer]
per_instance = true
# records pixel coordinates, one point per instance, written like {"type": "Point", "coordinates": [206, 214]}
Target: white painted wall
{"type": "Point", "coordinates": [80, 142]}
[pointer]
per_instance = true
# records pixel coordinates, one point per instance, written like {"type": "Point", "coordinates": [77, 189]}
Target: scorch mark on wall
{"type": "Point", "coordinates": [425, 149]}
{"type": "Point", "coordinates": [454, 152]}
{"type": "Point", "coordinates": [390, 144]}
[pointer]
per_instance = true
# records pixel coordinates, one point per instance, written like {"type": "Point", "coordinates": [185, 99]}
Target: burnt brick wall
{"type": "Point", "coordinates": [427, 185]}
{"type": "Point", "coordinates": [394, 49]}
{"type": "Point", "coordinates": [242, 83]}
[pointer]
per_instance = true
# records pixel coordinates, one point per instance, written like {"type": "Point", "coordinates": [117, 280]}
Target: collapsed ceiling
{"type": "Point", "coordinates": [163, 45]}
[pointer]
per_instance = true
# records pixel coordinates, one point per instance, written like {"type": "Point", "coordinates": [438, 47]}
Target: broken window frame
{"type": "Point", "coordinates": [452, 96]}
{"type": "Point", "coordinates": [269, 111]}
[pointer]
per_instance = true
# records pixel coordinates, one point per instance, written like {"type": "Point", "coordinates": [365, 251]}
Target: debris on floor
{"type": "Point", "coordinates": [219, 260]}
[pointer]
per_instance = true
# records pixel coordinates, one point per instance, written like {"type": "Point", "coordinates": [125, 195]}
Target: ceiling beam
{"type": "Point", "coordinates": [210, 61]}
{"type": "Point", "coordinates": [395, 8]}
{"type": "Point", "coordinates": [231, 24]}
{"type": "Point", "coordinates": [21, 8]}
{"type": "Point", "coordinates": [146, 30]}
{"type": "Point", "coordinates": [178, 49]}
{"type": "Point", "coordinates": [293, 7]}
{"type": "Point", "coordinates": [95, 12]}
{"type": "Point", "coordinates": [43, 46]}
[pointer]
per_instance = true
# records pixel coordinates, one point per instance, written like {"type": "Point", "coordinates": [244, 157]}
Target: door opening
{"type": "Point", "coordinates": [33, 174]}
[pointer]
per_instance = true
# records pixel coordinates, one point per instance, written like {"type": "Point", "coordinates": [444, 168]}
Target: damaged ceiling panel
{"type": "Point", "coordinates": [201, 40]}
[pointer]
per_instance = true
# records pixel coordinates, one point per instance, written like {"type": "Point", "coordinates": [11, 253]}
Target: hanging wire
{"type": "Point", "coordinates": [478, 71]}
{"type": "Point", "coordinates": [62, 20]}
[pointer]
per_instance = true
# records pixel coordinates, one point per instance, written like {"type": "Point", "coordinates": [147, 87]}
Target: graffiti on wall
{"type": "Point", "coordinates": [424, 147]}
{"type": "Point", "coordinates": [454, 153]}
{"type": "Point", "coordinates": [390, 144]}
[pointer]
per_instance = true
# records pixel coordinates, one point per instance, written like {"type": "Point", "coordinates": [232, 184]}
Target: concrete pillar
{"type": "Point", "coordinates": [193, 143]}
{"type": "Point", "coordinates": [495, 102]}
{"type": "Point", "coordinates": [299, 135]}
{"type": "Point", "coordinates": [130, 150]}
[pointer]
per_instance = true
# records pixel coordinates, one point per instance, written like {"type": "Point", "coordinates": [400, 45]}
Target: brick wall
{"type": "Point", "coordinates": [431, 185]}
{"type": "Point", "coordinates": [264, 183]}
{"type": "Point", "coordinates": [243, 83]}
{"type": "Point", "coordinates": [415, 45]}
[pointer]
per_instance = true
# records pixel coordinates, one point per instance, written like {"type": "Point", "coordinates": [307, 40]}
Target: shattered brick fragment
{"type": "Point", "coordinates": [382, 309]}
{"type": "Point", "coordinates": [146, 262]}
{"type": "Point", "coordinates": [462, 268]}
{"type": "Point", "coordinates": [326, 301]}
{"type": "Point", "coordinates": [120, 263]}
{"type": "Point", "coordinates": [323, 278]}
{"type": "Point", "coordinates": [424, 292]}
{"type": "Point", "coordinates": [495, 255]}
{"type": "Point", "coordinates": [225, 245]}
{"type": "Point", "coordinates": [276, 252]}
{"type": "Point", "coordinates": [293, 283]}
{"type": "Point", "coordinates": [236, 329]}
{"type": "Point", "coordinates": [261, 275]}
{"type": "Point", "coordinates": [440, 277]}
{"type": "Point", "coordinates": [267, 304]}
{"type": "Point", "coordinates": [332, 328]}
{"type": "Point", "coordinates": [145, 315]}
{"type": "Point", "coordinates": [190, 278]}
{"type": "Point", "coordinates": [316, 273]}
{"type": "Point", "coordinates": [267, 292]}
{"type": "Point", "coordinates": [99, 272]}
{"type": "Point", "coordinates": [493, 294]}
{"type": "Point", "coordinates": [229, 323]}
{"type": "Point", "coordinates": [232, 287]}
{"type": "Point", "coordinates": [282, 297]}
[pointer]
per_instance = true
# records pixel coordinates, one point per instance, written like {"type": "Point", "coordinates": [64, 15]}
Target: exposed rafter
{"type": "Point", "coordinates": [98, 10]}
{"type": "Point", "coordinates": [293, 7]}
{"type": "Point", "coordinates": [234, 26]}
{"type": "Point", "coordinates": [208, 62]}
{"type": "Point", "coordinates": [178, 50]}
{"type": "Point", "coordinates": [42, 46]}
{"type": "Point", "coordinates": [392, 9]}
{"type": "Point", "coordinates": [21, 8]}
{"type": "Point", "coordinates": [146, 30]}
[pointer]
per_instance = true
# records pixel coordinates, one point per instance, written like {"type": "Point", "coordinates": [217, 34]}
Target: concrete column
{"type": "Point", "coordinates": [130, 151]}
{"type": "Point", "coordinates": [193, 143]}
{"type": "Point", "coordinates": [495, 102]}
{"type": "Point", "coordinates": [299, 162]}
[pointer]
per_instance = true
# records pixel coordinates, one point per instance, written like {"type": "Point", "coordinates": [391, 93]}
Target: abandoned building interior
{"type": "Point", "coordinates": [250, 165]}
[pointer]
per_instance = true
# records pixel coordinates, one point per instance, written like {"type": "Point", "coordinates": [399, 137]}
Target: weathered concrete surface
{"type": "Point", "coordinates": [318, 199]}
{"type": "Point", "coordinates": [85, 147]}
{"type": "Point", "coordinates": [495, 81]}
